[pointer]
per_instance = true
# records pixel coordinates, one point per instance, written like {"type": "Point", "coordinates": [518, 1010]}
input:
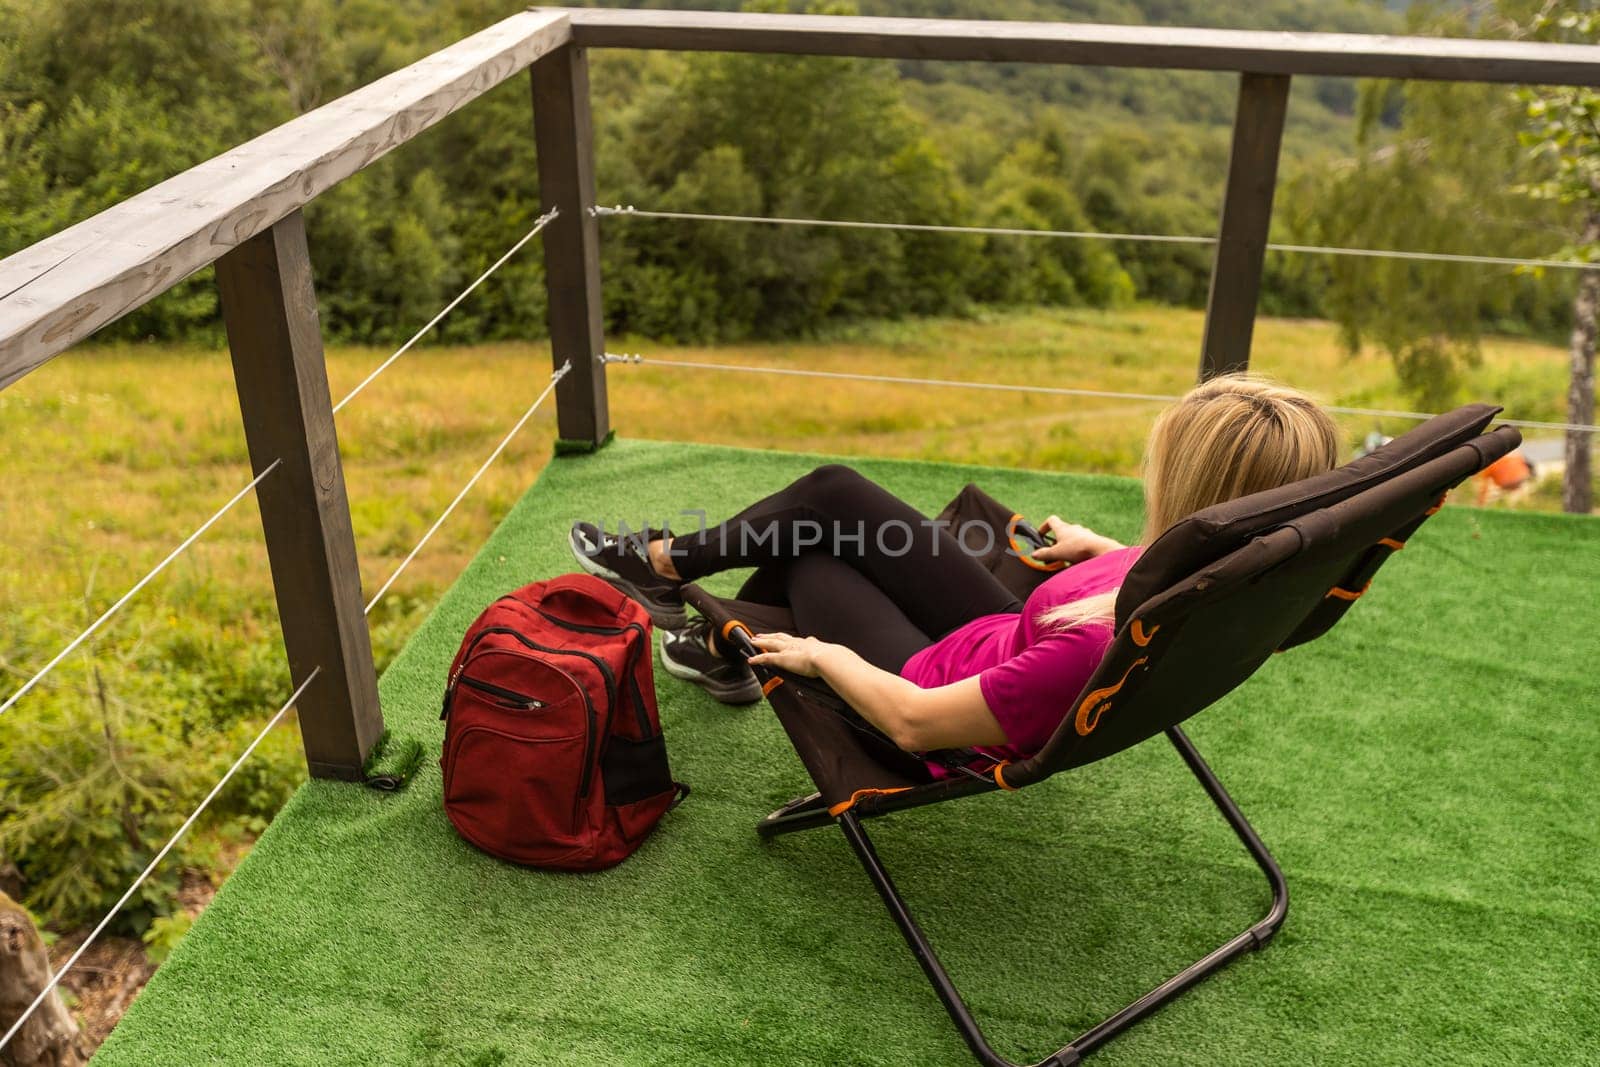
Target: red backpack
{"type": "Point", "coordinates": [553, 752]}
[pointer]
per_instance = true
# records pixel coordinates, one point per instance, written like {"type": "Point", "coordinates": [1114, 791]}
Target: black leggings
{"type": "Point", "coordinates": [855, 564]}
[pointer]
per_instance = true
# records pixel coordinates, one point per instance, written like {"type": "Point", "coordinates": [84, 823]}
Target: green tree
{"type": "Point", "coordinates": [1563, 129]}
{"type": "Point", "coordinates": [786, 136]}
{"type": "Point", "coordinates": [1160, 178]}
{"type": "Point", "coordinates": [115, 751]}
{"type": "Point", "coordinates": [1443, 181]}
{"type": "Point", "coordinates": [100, 99]}
{"type": "Point", "coordinates": [1032, 189]}
{"type": "Point", "coordinates": [1457, 176]}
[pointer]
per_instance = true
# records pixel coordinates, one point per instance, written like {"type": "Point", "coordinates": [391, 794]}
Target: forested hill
{"type": "Point", "coordinates": [102, 98]}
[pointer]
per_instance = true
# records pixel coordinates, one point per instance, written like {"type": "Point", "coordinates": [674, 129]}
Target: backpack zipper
{"type": "Point", "coordinates": [602, 665]}
{"type": "Point", "coordinates": [519, 701]}
{"type": "Point", "coordinates": [583, 627]}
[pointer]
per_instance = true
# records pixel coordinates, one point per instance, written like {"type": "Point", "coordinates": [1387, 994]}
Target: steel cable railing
{"type": "Point", "coordinates": [953, 383]}
{"type": "Point", "coordinates": [161, 854]}
{"type": "Point", "coordinates": [629, 211]}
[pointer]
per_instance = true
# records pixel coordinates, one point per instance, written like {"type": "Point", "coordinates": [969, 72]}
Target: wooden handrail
{"type": "Point", "coordinates": [1241, 51]}
{"type": "Point", "coordinates": [60, 290]}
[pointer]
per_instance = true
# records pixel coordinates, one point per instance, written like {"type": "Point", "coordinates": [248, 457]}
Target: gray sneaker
{"type": "Point", "coordinates": [686, 654]}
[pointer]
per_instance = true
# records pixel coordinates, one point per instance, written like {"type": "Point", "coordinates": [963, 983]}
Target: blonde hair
{"type": "Point", "coordinates": [1228, 437]}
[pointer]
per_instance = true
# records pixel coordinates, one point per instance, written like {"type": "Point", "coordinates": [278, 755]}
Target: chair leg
{"type": "Point", "coordinates": [1254, 937]}
{"type": "Point", "coordinates": [801, 813]}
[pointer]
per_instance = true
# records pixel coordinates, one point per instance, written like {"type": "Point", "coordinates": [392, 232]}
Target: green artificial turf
{"type": "Point", "coordinates": [1426, 774]}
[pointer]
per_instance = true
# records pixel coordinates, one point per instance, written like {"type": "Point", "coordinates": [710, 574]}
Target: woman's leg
{"type": "Point", "coordinates": [767, 584]}
{"type": "Point", "coordinates": [833, 601]}
{"type": "Point", "coordinates": [837, 513]}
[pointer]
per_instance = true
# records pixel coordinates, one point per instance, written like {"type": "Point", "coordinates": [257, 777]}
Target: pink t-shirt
{"type": "Point", "coordinates": [1028, 674]}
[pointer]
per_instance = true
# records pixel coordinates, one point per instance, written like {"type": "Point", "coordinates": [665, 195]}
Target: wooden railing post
{"type": "Point", "coordinates": [565, 141]}
{"type": "Point", "coordinates": [1246, 215]}
{"type": "Point", "coordinates": [270, 307]}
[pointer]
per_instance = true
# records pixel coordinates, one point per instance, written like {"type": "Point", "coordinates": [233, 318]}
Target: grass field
{"type": "Point", "coordinates": [113, 454]}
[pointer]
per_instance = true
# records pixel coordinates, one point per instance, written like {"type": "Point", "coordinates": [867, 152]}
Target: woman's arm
{"type": "Point", "coordinates": [916, 719]}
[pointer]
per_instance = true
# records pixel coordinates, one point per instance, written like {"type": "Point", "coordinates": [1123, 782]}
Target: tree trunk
{"type": "Point", "coordinates": [1577, 490]}
{"type": "Point", "coordinates": [50, 1037]}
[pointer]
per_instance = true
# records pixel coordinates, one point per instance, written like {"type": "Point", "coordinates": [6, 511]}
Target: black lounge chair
{"type": "Point", "coordinates": [1205, 606]}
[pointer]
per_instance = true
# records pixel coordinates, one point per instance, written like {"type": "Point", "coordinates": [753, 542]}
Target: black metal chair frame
{"type": "Point", "coordinates": [809, 812]}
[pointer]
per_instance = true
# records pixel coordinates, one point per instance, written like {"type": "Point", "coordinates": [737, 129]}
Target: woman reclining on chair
{"type": "Point", "coordinates": [915, 634]}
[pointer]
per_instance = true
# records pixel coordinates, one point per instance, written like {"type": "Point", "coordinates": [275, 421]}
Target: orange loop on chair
{"type": "Point", "coordinates": [1027, 557]}
{"type": "Point", "coordinates": [860, 795]}
{"type": "Point", "coordinates": [1348, 594]}
{"type": "Point", "coordinates": [729, 626]}
{"type": "Point", "coordinates": [770, 684]}
{"type": "Point", "coordinates": [1137, 632]}
{"type": "Point", "coordinates": [1099, 700]}
{"type": "Point", "coordinates": [1391, 544]}
{"type": "Point", "coordinates": [999, 779]}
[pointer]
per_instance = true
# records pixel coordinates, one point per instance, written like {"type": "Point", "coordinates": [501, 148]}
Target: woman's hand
{"type": "Point", "coordinates": [916, 719]}
{"type": "Point", "coordinates": [1074, 543]}
{"type": "Point", "coordinates": [798, 655]}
